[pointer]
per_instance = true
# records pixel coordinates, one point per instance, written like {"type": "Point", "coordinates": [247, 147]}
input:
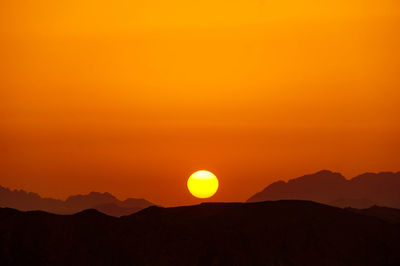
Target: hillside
{"type": "Point", "coordinates": [264, 233]}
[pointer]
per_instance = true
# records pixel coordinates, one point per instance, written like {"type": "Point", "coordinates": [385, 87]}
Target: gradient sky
{"type": "Point", "coordinates": [131, 97]}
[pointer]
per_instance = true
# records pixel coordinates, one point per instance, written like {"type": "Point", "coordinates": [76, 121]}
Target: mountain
{"type": "Point", "coordinates": [334, 189]}
{"type": "Point", "coordinates": [104, 202]}
{"type": "Point", "coordinates": [281, 233]}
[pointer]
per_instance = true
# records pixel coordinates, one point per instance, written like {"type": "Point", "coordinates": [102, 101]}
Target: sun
{"type": "Point", "coordinates": [202, 184]}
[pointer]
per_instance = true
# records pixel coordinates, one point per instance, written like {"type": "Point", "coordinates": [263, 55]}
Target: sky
{"type": "Point", "coordinates": [131, 97]}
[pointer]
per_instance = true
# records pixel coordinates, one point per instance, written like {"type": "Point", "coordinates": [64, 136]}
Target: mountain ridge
{"type": "Point", "coordinates": [362, 191]}
{"type": "Point", "coordinates": [23, 200]}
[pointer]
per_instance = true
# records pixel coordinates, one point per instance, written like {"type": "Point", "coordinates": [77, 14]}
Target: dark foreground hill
{"type": "Point", "coordinates": [103, 202]}
{"type": "Point", "coordinates": [264, 233]}
{"type": "Point", "coordinates": [390, 215]}
{"type": "Point", "coordinates": [330, 188]}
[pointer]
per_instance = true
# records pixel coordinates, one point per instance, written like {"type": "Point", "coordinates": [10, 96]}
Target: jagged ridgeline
{"type": "Point", "coordinates": [362, 191]}
{"type": "Point", "coordinates": [104, 202]}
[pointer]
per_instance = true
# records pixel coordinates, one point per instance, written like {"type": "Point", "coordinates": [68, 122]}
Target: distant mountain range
{"type": "Point", "coordinates": [103, 202]}
{"type": "Point", "coordinates": [284, 233]}
{"type": "Point", "coordinates": [331, 188]}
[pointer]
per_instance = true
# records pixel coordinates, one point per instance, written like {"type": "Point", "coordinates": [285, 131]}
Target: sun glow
{"type": "Point", "coordinates": [202, 184]}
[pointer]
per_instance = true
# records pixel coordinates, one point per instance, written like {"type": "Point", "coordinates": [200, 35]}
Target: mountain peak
{"type": "Point", "coordinates": [322, 175]}
{"type": "Point", "coordinates": [333, 188]}
{"type": "Point", "coordinates": [104, 202]}
{"type": "Point", "coordinates": [92, 195]}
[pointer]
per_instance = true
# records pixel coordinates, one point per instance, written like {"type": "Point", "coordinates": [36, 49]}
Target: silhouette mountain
{"type": "Point", "coordinates": [332, 188]}
{"type": "Point", "coordinates": [104, 202]}
{"type": "Point", "coordinates": [264, 233]}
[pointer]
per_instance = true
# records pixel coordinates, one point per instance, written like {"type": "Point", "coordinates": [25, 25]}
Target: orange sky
{"type": "Point", "coordinates": [131, 97]}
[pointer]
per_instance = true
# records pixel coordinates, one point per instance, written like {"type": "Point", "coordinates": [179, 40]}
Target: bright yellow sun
{"type": "Point", "coordinates": [202, 184]}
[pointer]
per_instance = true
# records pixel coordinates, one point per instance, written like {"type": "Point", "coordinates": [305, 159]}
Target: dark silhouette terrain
{"type": "Point", "coordinates": [262, 233]}
{"type": "Point", "coordinates": [326, 187]}
{"type": "Point", "coordinates": [104, 202]}
{"type": "Point", "coordinates": [390, 215]}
